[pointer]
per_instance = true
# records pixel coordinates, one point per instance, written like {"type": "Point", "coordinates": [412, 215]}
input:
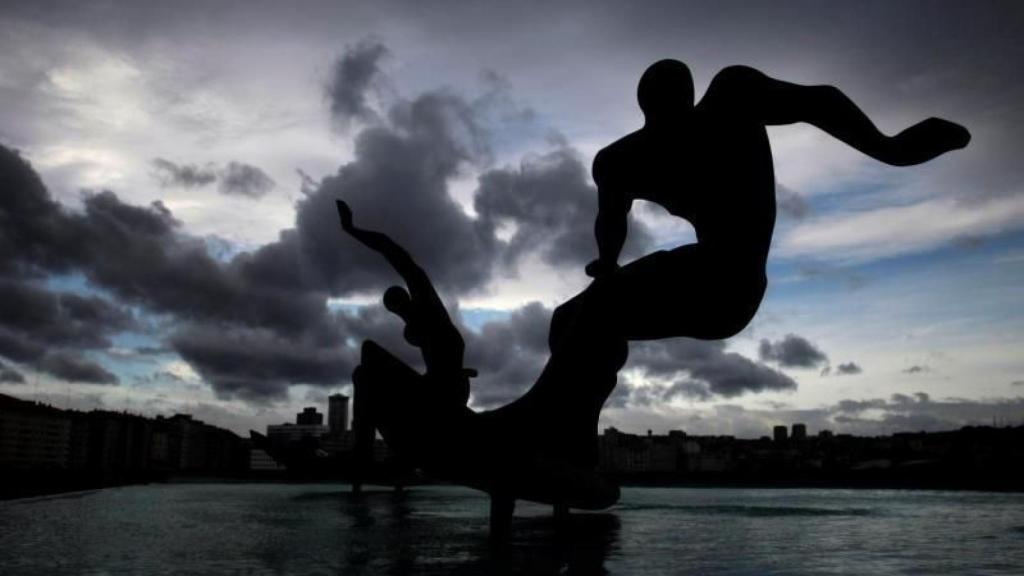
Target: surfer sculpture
{"type": "Point", "coordinates": [708, 163]}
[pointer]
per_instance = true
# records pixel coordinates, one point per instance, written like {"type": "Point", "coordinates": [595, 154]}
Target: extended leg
{"type": "Point", "coordinates": [388, 397]}
{"type": "Point", "coordinates": [363, 428]}
{"type": "Point", "coordinates": [744, 90]}
{"type": "Point", "coordinates": [502, 508]}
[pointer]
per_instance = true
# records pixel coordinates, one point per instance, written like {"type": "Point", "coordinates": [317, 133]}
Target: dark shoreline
{"type": "Point", "coordinates": [10, 493]}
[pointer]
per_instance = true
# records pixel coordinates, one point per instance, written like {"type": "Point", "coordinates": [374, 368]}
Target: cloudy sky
{"type": "Point", "coordinates": [168, 241]}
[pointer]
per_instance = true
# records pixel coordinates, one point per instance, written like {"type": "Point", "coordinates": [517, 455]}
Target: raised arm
{"type": "Point", "coordinates": [415, 278]}
{"type": "Point", "coordinates": [745, 90]}
{"type": "Point", "coordinates": [610, 225]}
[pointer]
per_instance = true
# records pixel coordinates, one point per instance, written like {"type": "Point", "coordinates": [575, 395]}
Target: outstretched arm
{"type": "Point", "coordinates": [415, 278]}
{"type": "Point", "coordinates": [776, 102]}
{"type": "Point", "coordinates": [610, 225]}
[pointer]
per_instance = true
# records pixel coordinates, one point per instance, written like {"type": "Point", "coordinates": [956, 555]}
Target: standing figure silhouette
{"type": "Point", "coordinates": [711, 165]}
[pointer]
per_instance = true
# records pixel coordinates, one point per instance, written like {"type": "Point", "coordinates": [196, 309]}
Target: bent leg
{"type": "Point", "coordinates": [363, 428]}
{"type": "Point", "coordinates": [675, 293]}
{"type": "Point", "coordinates": [741, 90]}
{"type": "Point", "coordinates": [502, 508]}
{"type": "Point", "coordinates": [382, 385]}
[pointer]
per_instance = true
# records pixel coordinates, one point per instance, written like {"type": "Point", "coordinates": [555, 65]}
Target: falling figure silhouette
{"type": "Point", "coordinates": [427, 324]}
{"type": "Point", "coordinates": [709, 164]}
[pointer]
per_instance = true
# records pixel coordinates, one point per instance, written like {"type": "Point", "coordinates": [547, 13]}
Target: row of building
{"type": "Point", "coordinates": [972, 457]}
{"type": "Point", "coordinates": [45, 449]}
{"type": "Point", "coordinates": [75, 449]}
{"type": "Point", "coordinates": [308, 448]}
{"type": "Point", "coordinates": [34, 435]}
{"type": "Point", "coordinates": [623, 453]}
{"type": "Point", "coordinates": [310, 423]}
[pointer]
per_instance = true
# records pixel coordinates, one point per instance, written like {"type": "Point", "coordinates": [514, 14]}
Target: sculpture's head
{"type": "Point", "coordinates": [397, 300]}
{"type": "Point", "coordinates": [665, 91]}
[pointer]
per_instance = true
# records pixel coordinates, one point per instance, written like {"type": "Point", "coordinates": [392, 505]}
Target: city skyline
{"type": "Point", "coordinates": [221, 136]}
{"type": "Point", "coordinates": [46, 449]}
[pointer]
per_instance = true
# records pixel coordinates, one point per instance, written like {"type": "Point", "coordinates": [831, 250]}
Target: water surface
{"type": "Point", "coordinates": [322, 529]}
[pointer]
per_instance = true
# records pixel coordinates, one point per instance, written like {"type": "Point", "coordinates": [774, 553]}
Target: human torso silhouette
{"type": "Point", "coordinates": [714, 171]}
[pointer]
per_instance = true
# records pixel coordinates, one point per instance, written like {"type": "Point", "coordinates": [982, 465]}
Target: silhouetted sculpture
{"type": "Point", "coordinates": [541, 447]}
{"type": "Point", "coordinates": [709, 164]}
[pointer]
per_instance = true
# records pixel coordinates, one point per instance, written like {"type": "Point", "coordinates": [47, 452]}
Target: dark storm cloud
{"type": "Point", "coordinates": [151, 350]}
{"type": "Point", "coordinates": [903, 399]}
{"type": "Point", "coordinates": [31, 228]}
{"type": "Point", "coordinates": [849, 368]}
{"type": "Point", "coordinates": [168, 173]}
{"type": "Point", "coordinates": [276, 295]}
{"type": "Point", "coordinates": [10, 375]}
{"type": "Point", "coordinates": [259, 322]}
{"type": "Point", "coordinates": [702, 368]}
{"type": "Point", "coordinates": [238, 178]}
{"type": "Point", "coordinates": [687, 389]}
{"type": "Point", "coordinates": [855, 406]}
{"type": "Point", "coordinates": [942, 50]}
{"type": "Point", "coordinates": [60, 319]}
{"type": "Point", "coordinates": [508, 354]}
{"type": "Point", "coordinates": [398, 182]}
{"type": "Point", "coordinates": [552, 205]}
{"type": "Point", "coordinates": [792, 352]}
{"type": "Point", "coordinates": [75, 369]}
{"type": "Point", "coordinates": [353, 75]}
{"type": "Point", "coordinates": [271, 362]}
{"type": "Point", "coordinates": [40, 328]}
{"type": "Point", "coordinates": [18, 349]}
{"type": "Point", "coordinates": [139, 255]}
{"type": "Point", "coordinates": [916, 369]}
{"type": "Point", "coordinates": [65, 362]}
{"type": "Point", "coordinates": [911, 413]}
{"type": "Point", "coordinates": [729, 374]}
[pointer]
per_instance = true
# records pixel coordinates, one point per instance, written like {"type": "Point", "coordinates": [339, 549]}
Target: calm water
{"type": "Point", "coordinates": [321, 529]}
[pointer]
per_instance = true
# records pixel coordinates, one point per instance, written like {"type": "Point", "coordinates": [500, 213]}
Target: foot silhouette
{"type": "Point", "coordinates": [930, 138]}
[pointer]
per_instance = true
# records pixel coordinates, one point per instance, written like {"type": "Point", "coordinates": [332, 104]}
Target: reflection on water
{"type": "Point", "coordinates": [322, 529]}
{"type": "Point", "coordinates": [430, 532]}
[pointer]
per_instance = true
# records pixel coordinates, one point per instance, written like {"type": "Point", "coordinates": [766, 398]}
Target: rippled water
{"type": "Point", "coordinates": [321, 529]}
